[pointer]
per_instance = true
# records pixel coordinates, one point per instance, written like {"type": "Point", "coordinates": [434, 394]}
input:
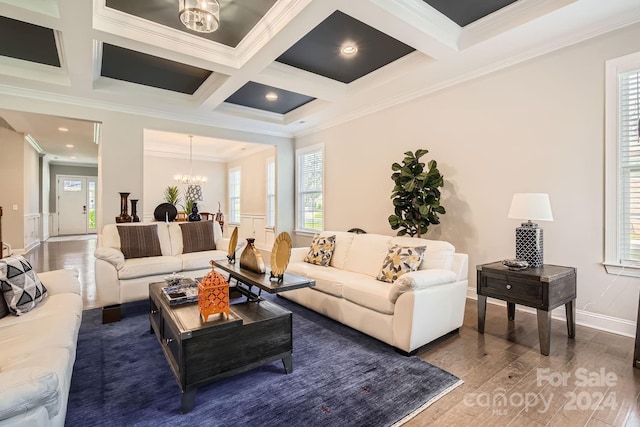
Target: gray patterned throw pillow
{"type": "Point", "coordinates": [20, 285]}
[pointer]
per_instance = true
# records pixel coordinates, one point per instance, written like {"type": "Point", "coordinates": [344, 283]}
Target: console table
{"type": "Point", "coordinates": [543, 288]}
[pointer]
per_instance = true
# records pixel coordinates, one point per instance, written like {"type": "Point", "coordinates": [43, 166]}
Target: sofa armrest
{"type": "Point", "coordinates": [61, 281]}
{"type": "Point", "coordinates": [112, 256]}
{"type": "Point", "coordinates": [23, 389]}
{"type": "Point", "coordinates": [222, 244]}
{"type": "Point", "coordinates": [298, 254]}
{"type": "Point", "coordinates": [420, 279]}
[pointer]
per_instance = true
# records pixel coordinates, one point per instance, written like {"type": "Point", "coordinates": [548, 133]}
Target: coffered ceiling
{"type": "Point", "coordinates": [282, 67]}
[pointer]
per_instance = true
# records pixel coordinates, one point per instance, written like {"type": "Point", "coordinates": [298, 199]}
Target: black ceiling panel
{"type": "Point", "coordinates": [237, 17]}
{"type": "Point", "coordinates": [135, 67]}
{"type": "Point", "coordinates": [28, 42]}
{"type": "Point", "coordinates": [253, 95]}
{"type": "Point", "coordinates": [464, 12]}
{"type": "Point", "coordinates": [319, 50]}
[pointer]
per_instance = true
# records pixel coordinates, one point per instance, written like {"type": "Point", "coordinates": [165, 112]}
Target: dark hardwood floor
{"type": "Point", "coordinates": [69, 252]}
{"type": "Point", "coordinates": [586, 381]}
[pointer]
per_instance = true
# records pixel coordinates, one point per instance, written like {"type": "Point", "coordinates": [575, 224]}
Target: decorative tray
{"type": "Point", "coordinates": [515, 264]}
{"type": "Point", "coordinates": [185, 292]}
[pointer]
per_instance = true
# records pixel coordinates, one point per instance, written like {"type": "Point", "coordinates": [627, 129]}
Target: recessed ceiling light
{"type": "Point", "coordinates": [349, 49]}
{"type": "Point", "coordinates": [271, 96]}
{"type": "Point", "coordinates": [62, 129]}
{"type": "Point", "coordinates": [69, 145]}
{"type": "Point", "coordinates": [72, 157]}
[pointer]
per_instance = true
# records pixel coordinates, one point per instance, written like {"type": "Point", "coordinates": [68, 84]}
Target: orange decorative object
{"type": "Point", "coordinates": [213, 295]}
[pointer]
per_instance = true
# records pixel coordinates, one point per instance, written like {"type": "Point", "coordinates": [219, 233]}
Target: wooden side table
{"type": "Point", "coordinates": [543, 288]}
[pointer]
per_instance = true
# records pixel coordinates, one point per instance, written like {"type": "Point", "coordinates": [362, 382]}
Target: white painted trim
{"type": "Point", "coordinates": [597, 321]}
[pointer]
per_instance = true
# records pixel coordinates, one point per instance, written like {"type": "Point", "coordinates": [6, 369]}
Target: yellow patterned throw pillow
{"type": "Point", "coordinates": [400, 260]}
{"type": "Point", "coordinates": [321, 250]}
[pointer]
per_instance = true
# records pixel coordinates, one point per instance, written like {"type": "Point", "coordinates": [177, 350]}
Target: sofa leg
{"type": "Point", "coordinates": [404, 353]}
{"type": "Point", "coordinates": [111, 313]}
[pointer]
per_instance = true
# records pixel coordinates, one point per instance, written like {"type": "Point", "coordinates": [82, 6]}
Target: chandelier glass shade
{"type": "Point", "coordinates": [202, 16]}
{"type": "Point", "coordinates": [194, 191]}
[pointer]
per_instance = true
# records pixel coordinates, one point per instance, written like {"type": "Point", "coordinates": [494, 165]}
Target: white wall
{"type": "Point", "coordinates": [159, 173]}
{"type": "Point", "coordinates": [534, 127]}
{"type": "Point", "coordinates": [12, 178]}
{"type": "Point", "coordinates": [253, 198]}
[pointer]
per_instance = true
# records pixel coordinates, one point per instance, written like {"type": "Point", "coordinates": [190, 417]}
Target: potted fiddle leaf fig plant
{"type": "Point", "coordinates": [416, 195]}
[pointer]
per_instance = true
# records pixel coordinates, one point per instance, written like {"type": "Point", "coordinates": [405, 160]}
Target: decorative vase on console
{"type": "Point", "coordinates": [251, 259]}
{"type": "Point", "coordinates": [194, 216]}
{"type": "Point", "coordinates": [134, 211]}
{"type": "Point", "coordinates": [124, 214]}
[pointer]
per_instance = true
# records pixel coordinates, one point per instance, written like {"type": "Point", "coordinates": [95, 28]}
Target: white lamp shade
{"type": "Point", "coordinates": [531, 206]}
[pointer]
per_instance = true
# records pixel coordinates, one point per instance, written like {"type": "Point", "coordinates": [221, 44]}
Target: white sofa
{"type": "Point", "coordinates": [38, 353]}
{"type": "Point", "coordinates": [120, 280]}
{"type": "Point", "coordinates": [416, 309]}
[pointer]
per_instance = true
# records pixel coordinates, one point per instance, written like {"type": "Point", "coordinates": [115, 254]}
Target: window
{"type": "Point", "coordinates": [622, 199]}
{"type": "Point", "coordinates": [309, 185]}
{"type": "Point", "coordinates": [271, 192]}
{"type": "Point", "coordinates": [234, 196]}
{"type": "Point", "coordinates": [72, 185]}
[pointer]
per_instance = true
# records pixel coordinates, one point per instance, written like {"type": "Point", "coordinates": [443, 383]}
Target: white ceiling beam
{"type": "Point", "coordinates": [296, 80]}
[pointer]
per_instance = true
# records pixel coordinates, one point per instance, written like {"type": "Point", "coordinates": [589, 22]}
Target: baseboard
{"type": "Point", "coordinates": [597, 321]}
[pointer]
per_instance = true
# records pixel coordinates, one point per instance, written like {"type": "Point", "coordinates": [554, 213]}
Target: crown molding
{"type": "Point", "coordinates": [44, 7]}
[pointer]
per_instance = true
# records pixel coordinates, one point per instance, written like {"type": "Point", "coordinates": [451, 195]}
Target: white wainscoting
{"type": "Point", "coordinates": [31, 231]}
{"type": "Point", "coordinates": [254, 225]}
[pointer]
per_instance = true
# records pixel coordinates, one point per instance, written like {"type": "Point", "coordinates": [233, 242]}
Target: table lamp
{"type": "Point", "coordinates": [529, 241]}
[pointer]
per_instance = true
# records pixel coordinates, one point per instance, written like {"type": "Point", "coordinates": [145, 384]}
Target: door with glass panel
{"type": "Point", "coordinates": [76, 205]}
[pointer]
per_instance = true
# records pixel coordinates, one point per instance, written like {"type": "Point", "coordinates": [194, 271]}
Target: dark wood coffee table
{"type": "Point", "coordinates": [202, 352]}
{"type": "Point", "coordinates": [247, 279]}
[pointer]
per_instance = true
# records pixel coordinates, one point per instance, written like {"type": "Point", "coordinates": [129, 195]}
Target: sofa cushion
{"type": "Point", "coordinates": [400, 260]}
{"type": "Point", "coordinates": [31, 336]}
{"type": "Point", "coordinates": [439, 254]}
{"type": "Point", "coordinates": [197, 236]}
{"type": "Point", "coordinates": [174, 231]}
{"type": "Point", "coordinates": [367, 253]}
{"type": "Point", "coordinates": [342, 246]}
{"type": "Point", "coordinates": [370, 293]}
{"type": "Point", "coordinates": [321, 250]}
{"type": "Point", "coordinates": [328, 279]}
{"type": "Point", "coordinates": [28, 388]}
{"type": "Point", "coordinates": [139, 241]}
{"type": "Point", "coordinates": [421, 279]}
{"type": "Point", "coordinates": [20, 285]}
{"type": "Point", "coordinates": [150, 266]}
{"type": "Point", "coordinates": [200, 260]}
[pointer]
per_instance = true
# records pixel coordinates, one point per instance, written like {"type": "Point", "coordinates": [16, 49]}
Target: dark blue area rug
{"type": "Point", "coordinates": [340, 378]}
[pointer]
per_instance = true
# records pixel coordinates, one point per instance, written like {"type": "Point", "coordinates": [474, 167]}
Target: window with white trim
{"type": "Point", "coordinates": [622, 199]}
{"type": "Point", "coordinates": [309, 188]}
{"type": "Point", "coordinates": [271, 192]}
{"type": "Point", "coordinates": [234, 196]}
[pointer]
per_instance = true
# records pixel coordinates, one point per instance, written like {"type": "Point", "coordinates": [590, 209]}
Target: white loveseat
{"type": "Point", "coordinates": [120, 280]}
{"type": "Point", "coordinates": [38, 353]}
{"type": "Point", "coordinates": [416, 309]}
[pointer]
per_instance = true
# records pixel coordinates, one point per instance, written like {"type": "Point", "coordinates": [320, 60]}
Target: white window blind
{"type": "Point", "coordinates": [271, 192]}
{"type": "Point", "coordinates": [310, 177]}
{"type": "Point", "coordinates": [629, 167]}
{"type": "Point", "coordinates": [234, 196]}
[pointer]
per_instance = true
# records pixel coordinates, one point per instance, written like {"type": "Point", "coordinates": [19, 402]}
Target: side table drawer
{"type": "Point", "coordinates": [503, 287]}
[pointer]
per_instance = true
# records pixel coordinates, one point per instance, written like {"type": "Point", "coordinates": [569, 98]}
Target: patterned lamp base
{"type": "Point", "coordinates": [529, 244]}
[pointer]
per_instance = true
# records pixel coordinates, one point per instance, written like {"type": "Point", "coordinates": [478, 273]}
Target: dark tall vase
{"type": "Point", "coordinates": [134, 210]}
{"type": "Point", "coordinates": [124, 214]}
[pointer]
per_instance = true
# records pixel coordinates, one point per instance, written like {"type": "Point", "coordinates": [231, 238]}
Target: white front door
{"type": "Point", "coordinates": [72, 205]}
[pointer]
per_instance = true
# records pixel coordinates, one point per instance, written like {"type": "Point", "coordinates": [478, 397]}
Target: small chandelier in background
{"type": "Point", "coordinates": [194, 191]}
{"type": "Point", "coordinates": [202, 16]}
